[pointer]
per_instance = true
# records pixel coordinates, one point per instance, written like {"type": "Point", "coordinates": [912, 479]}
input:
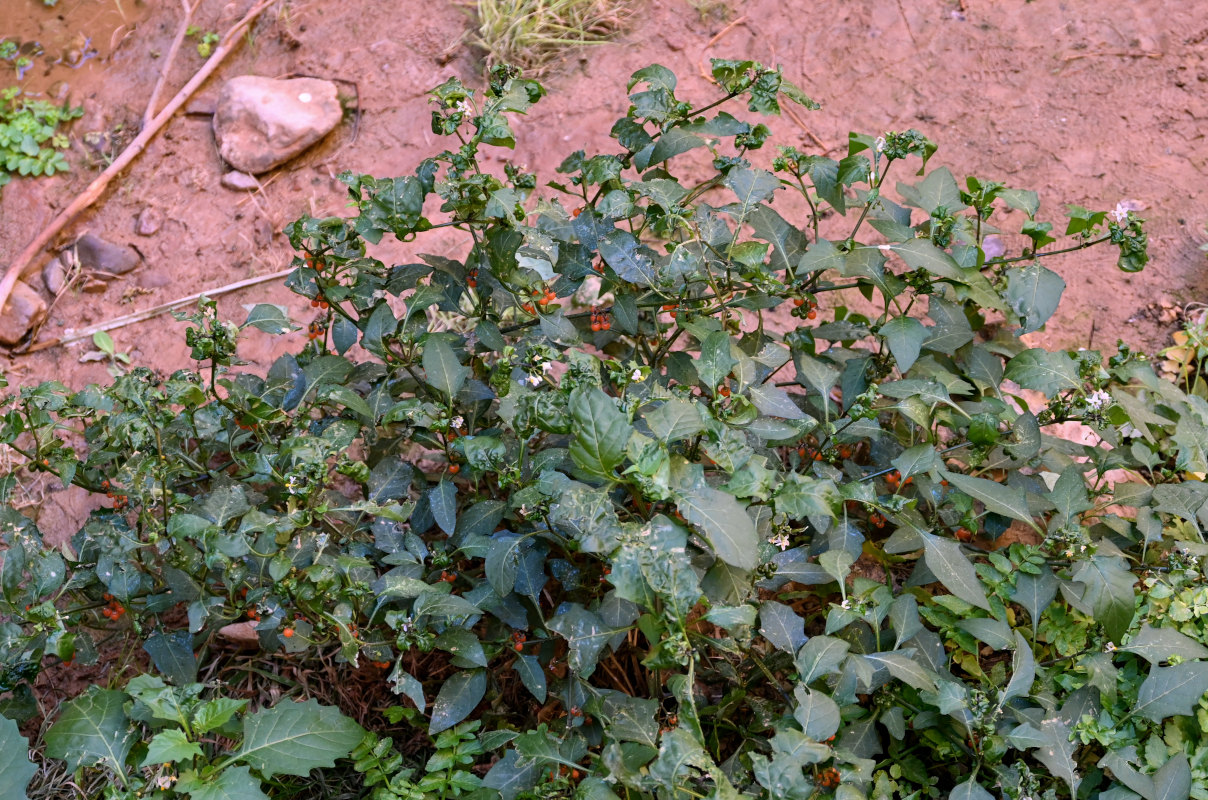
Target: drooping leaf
{"type": "Point", "coordinates": [781, 626]}
{"type": "Point", "coordinates": [1034, 593]}
{"type": "Point", "coordinates": [458, 696]}
{"type": "Point", "coordinates": [294, 738]}
{"type": "Point", "coordinates": [1023, 669]}
{"type": "Point", "coordinates": [953, 569]}
{"type": "Point", "coordinates": [1108, 590]}
{"type": "Point", "coordinates": [15, 765]}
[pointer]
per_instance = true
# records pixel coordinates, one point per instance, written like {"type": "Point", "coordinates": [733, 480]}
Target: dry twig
{"type": "Point", "coordinates": [181, 32]}
{"type": "Point", "coordinates": [98, 186]}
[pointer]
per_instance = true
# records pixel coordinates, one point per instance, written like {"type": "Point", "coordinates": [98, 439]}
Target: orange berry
{"type": "Point", "coordinates": [607, 324]}
{"type": "Point", "coordinates": [518, 646]}
{"type": "Point", "coordinates": [529, 308]}
{"type": "Point", "coordinates": [943, 483]}
{"type": "Point", "coordinates": [472, 283]}
{"type": "Point", "coordinates": [596, 327]}
{"type": "Point", "coordinates": [964, 535]}
{"type": "Point", "coordinates": [574, 774]}
{"type": "Point", "coordinates": [454, 469]}
{"type": "Point", "coordinates": [797, 301]}
{"type": "Point", "coordinates": [812, 315]}
{"type": "Point", "coordinates": [673, 315]}
{"type": "Point", "coordinates": [800, 452]}
{"type": "Point", "coordinates": [314, 303]}
{"type": "Point", "coordinates": [288, 633]}
{"type": "Point", "coordinates": [577, 211]}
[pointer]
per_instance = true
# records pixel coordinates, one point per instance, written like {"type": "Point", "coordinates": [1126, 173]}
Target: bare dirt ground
{"type": "Point", "coordinates": [1086, 102]}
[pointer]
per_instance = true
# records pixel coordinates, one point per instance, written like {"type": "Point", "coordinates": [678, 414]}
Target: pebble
{"type": "Point", "coordinates": [54, 275]}
{"type": "Point", "coordinates": [25, 309]}
{"type": "Point", "coordinates": [240, 181]}
{"type": "Point", "coordinates": [260, 123]}
{"type": "Point", "coordinates": [150, 220]}
{"type": "Point", "coordinates": [98, 255]}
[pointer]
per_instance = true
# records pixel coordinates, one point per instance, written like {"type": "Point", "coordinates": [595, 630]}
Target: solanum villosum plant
{"type": "Point", "coordinates": [666, 486]}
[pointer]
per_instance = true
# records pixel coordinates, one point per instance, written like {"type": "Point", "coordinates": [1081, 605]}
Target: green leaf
{"type": "Point", "coordinates": [917, 460]}
{"type": "Point", "coordinates": [346, 397]}
{"type": "Point", "coordinates": [937, 190]}
{"type": "Point", "coordinates": [172, 654]}
{"type": "Point", "coordinates": [715, 361]}
{"type": "Point", "coordinates": [726, 525]}
{"type": "Point", "coordinates": [905, 336]}
{"type": "Point", "coordinates": [531, 675]}
{"type": "Point", "coordinates": [775, 402]}
{"type": "Point", "coordinates": [1173, 780]}
{"type": "Point", "coordinates": [294, 738]}
{"type": "Point", "coordinates": [459, 695]}
{"type": "Point", "coordinates": [170, 745]}
{"type": "Point", "coordinates": [233, 783]}
{"type": "Point", "coordinates": [751, 187]}
{"type": "Point", "coordinates": [444, 372]}
{"type": "Point", "coordinates": [674, 420]}
{"type": "Point", "coordinates": [1043, 371]}
{"type": "Point", "coordinates": [1156, 645]}
{"type": "Point", "coordinates": [628, 258]}
{"type": "Point", "coordinates": [969, 790]}
{"type": "Point", "coordinates": [1109, 592]}
{"type": "Point", "coordinates": [1023, 200]}
{"type": "Point", "coordinates": [1171, 691]}
{"type": "Point", "coordinates": [996, 497]}
{"type": "Point", "coordinates": [904, 668]}
{"type": "Point", "coordinates": [585, 634]}
{"type": "Point", "coordinates": [1033, 293]}
{"type": "Point", "coordinates": [1057, 752]}
{"type": "Point", "coordinates": [821, 655]}
{"type": "Point", "coordinates": [817, 714]}
{"type": "Point", "coordinates": [601, 432]}
{"type": "Point", "coordinates": [509, 778]}
{"type": "Point", "coordinates": [92, 729]}
{"type": "Point", "coordinates": [15, 765]}
{"type": "Point", "coordinates": [269, 318]}
{"type": "Point", "coordinates": [788, 243]}
{"type": "Point", "coordinates": [781, 626]}
{"type": "Point", "coordinates": [1034, 593]}
{"type": "Point", "coordinates": [673, 142]}
{"type": "Point", "coordinates": [443, 500]}
{"type": "Point", "coordinates": [946, 561]}
{"type": "Point", "coordinates": [1023, 670]}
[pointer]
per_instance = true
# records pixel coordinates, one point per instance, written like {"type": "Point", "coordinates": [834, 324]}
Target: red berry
{"type": "Point", "coordinates": [288, 633]}
{"type": "Point", "coordinates": [797, 301]}
{"type": "Point", "coordinates": [454, 469]}
{"type": "Point", "coordinates": [812, 315]}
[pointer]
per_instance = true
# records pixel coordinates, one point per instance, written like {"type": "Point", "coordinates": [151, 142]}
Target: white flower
{"type": "Point", "coordinates": [781, 540]}
{"type": "Point", "coordinates": [637, 376]}
{"type": "Point", "coordinates": [457, 421]}
{"type": "Point", "coordinates": [1120, 214]}
{"type": "Point", "coordinates": [1098, 399]}
{"type": "Point", "coordinates": [164, 782]}
{"type": "Point", "coordinates": [533, 380]}
{"type": "Point", "coordinates": [1110, 647]}
{"type": "Point", "coordinates": [880, 143]}
{"type": "Point", "coordinates": [846, 604]}
{"type": "Point", "coordinates": [546, 366]}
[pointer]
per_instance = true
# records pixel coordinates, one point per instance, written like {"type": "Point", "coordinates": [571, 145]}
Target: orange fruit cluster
{"type": "Point", "coordinates": [601, 320]}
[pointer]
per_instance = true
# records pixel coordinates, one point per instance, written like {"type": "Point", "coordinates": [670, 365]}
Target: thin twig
{"type": "Point", "coordinates": [801, 124]}
{"type": "Point", "coordinates": [153, 101]}
{"type": "Point", "coordinates": [150, 313]}
{"type": "Point", "coordinates": [98, 186]}
{"type": "Point", "coordinates": [701, 64]}
{"type": "Point", "coordinates": [1118, 53]}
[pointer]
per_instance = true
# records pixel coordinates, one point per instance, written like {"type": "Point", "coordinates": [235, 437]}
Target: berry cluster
{"type": "Point", "coordinates": [894, 479]}
{"type": "Point", "coordinates": [472, 278]}
{"type": "Point", "coordinates": [805, 307]}
{"type": "Point", "coordinates": [319, 302]}
{"type": "Point", "coordinates": [119, 500]}
{"type": "Point", "coordinates": [601, 319]}
{"type": "Point", "coordinates": [518, 640]}
{"type": "Point", "coordinates": [114, 610]}
{"type": "Point", "coordinates": [316, 329]}
{"type": "Point", "coordinates": [829, 778]}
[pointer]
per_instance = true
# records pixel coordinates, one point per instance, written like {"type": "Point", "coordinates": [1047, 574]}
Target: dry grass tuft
{"type": "Point", "coordinates": [532, 34]}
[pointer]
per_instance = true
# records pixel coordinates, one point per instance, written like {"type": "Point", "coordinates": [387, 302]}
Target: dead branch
{"type": "Point", "coordinates": [95, 189]}
{"type": "Point", "coordinates": [153, 101]}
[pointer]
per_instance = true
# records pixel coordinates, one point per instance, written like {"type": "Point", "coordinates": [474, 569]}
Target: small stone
{"type": "Point", "coordinates": [242, 633]}
{"type": "Point", "coordinates": [98, 255]}
{"type": "Point", "coordinates": [150, 220]}
{"type": "Point", "coordinates": [24, 310]}
{"type": "Point", "coordinates": [240, 182]}
{"type": "Point", "coordinates": [94, 286]}
{"type": "Point", "coordinates": [260, 123]}
{"type": "Point", "coordinates": [54, 275]}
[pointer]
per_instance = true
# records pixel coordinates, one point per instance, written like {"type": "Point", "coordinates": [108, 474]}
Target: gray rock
{"type": "Point", "coordinates": [260, 123]}
{"type": "Point", "coordinates": [240, 181]}
{"type": "Point", "coordinates": [25, 309]}
{"type": "Point", "coordinates": [54, 275]}
{"type": "Point", "coordinates": [150, 220]}
{"type": "Point", "coordinates": [99, 255]}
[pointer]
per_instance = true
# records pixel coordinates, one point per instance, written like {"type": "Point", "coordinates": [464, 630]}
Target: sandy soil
{"type": "Point", "coordinates": [1087, 102]}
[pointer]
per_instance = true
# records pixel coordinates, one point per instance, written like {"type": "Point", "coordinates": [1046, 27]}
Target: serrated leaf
{"type": "Point", "coordinates": [905, 336]}
{"type": "Point", "coordinates": [726, 525]}
{"type": "Point", "coordinates": [233, 783]}
{"type": "Point", "coordinates": [1043, 371]}
{"type": "Point", "coordinates": [458, 696]}
{"type": "Point", "coordinates": [294, 738]}
{"type": "Point", "coordinates": [601, 432]}
{"type": "Point", "coordinates": [950, 566]}
{"type": "Point", "coordinates": [821, 655]}
{"type": "Point", "coordinates": [1156, 645]}
{"type": "Point", "coordinates": [1171, 691]}
{"type": "Point", "coordinates": [441, 367]}
{"type": "Point", "coordinates": [1109, 592]}
{"type": "Point", "coordinates": [169, 746]}
{"type": "Point", "coordinates": [92, 729]}
{"type": "Point", "coordinates": [15, 765]}
{"type": "Point", "coordinates": [996, 497]}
